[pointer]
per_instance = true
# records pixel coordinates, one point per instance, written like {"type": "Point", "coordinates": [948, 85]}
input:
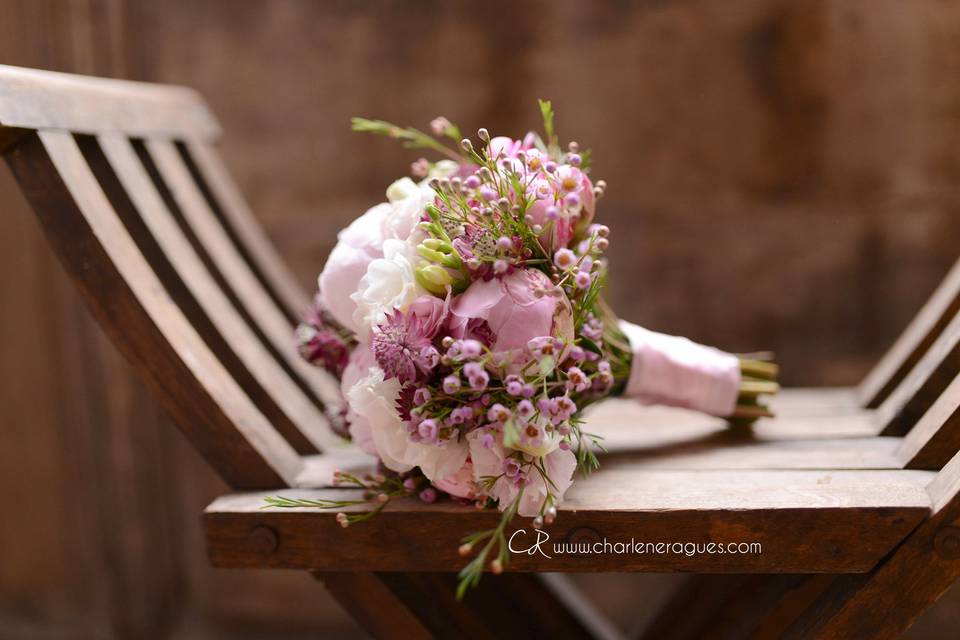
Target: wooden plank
{"type": "Point", "coordinates": [234, 269]}
{"type": "Point", "coordinates": [916, 339]}
{"type": "Point", "coordinates": [629, 425]}
{"type": "Point", "coordinates": [144, 322]}
{"type": "Point", "coordinates": [802, 402]}
{"type": "Point", "coordinates": [936, 437]}
{"type": "Point", "coordinates": [237, 335]}
{"type": "Point", "coordinates": [925, 383]}
{"type": "Point", "coordinates": [713, 454]}
{"type": "Point", "coordinates": [231, 208]}
{"type": "Point", "coordinates": [34, 99]}
{"type": "Point", "coordinates": [805, 521]}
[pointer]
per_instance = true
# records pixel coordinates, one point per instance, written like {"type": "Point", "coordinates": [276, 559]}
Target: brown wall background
{"type": "Point", "coordinates": [783, 174]}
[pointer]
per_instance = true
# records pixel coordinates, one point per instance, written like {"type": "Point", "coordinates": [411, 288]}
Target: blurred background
{"type": "Point", "coordinates": [782, 175]}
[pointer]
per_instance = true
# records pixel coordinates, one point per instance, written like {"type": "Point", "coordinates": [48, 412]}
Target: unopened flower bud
{"type": "Point", "coordinates": [573, 147]}
{"type": "Point", "coordinates": [466, 145]}
{"type": "Point", "coordinates": [538, 522]}
{"type": "Point", "coordinates": [496, 567]}
{"type": "Point", "coordinates": [465, 550]}
{"type": "Point", "coordinates": [483, 134]}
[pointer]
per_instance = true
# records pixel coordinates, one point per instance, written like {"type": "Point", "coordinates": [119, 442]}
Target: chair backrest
{"type": "Point", "coordinates": [913, 343]}
{"type": "Point", "coordinates": [143, 215]}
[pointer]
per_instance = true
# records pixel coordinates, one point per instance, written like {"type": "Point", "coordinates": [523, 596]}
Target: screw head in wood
{"type": "Point", "coordinates": [947, 543]}
{"type": "Point", "coordinates": [584, 534]}
{"type": "Point", "coordinates": [263, 539]}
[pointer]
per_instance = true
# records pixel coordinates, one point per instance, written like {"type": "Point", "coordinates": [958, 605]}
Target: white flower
{"type": "Point", "coordinates": [488, 461]}
{"type": "Point", "coordinates": [357, 246]}
{"type": "Point", "coordinates": [374, 399]}
{"type": "Point", "coordinates": [407, 203]}
{"type": "Point", "coordinates": [388, 285]}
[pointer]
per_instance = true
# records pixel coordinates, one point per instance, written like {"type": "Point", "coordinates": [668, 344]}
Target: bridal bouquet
{"type": "Point", "coordinates": [464, 320]}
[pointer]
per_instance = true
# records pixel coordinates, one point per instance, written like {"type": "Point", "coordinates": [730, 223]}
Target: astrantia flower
{"type": "Point", "coordinates": [402, 347]}
{"type": "Point", "coordinates": [323, 347]}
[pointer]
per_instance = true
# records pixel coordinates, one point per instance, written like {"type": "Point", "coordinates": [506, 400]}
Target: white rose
{"type": "Point", "coordinates": [487, 462]}
{"type": "Point", "coordinates": [374, 399]}
{"type": "Point", "coordinates": [389, 284]}
{"type": "Point", "coordinates": [357, 246]}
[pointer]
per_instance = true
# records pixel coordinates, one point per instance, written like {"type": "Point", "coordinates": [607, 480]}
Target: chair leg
{"type": "Point", "coordinates": [733, 607]}
{"type": "Point", "coordinates": [422, 605]}
{"type": "Point", "coordinates": [887, 601]}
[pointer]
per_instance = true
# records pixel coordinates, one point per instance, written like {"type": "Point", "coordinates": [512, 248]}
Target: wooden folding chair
{"type": "Point", "coordinates": [141, 212]}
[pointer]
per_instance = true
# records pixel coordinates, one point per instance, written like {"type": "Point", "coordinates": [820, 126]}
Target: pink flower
{"type": "Point", "coordinates": [357, 246]}
{"type": "Point", "coordinates": [460, 484]}
{"type": "Point", "coordinates": [489, 459]}
{"type": "Point", "coordinates": [361, 359]}
{"type": "Point", "coordinates": [402, 344]}
{"type": "Point", "coordinates": [514, 313]}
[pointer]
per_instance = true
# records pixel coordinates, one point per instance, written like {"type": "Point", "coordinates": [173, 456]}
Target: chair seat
{"type": "Point", "coordinates": [815, 401]}
{"type": "Point", "coordinates": [805, 521]}
{"type": "Point", "coordinates": [814, 504]}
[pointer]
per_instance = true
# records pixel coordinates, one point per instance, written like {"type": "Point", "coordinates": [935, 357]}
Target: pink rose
{"type": "Point", "coordinates": [507, 313]}
{"type": "Point", "coordinates": [357, 246]}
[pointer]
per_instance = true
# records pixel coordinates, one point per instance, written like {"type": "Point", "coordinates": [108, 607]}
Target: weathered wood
{"type": "Point", "coordinates": [803, 402]}
{"type": "Point", "coordinates": [302, 415]}
{"type": "Point", "coordinates": [147, 326]}
{"type": "Point", "coordinates": [226, 201]}
{"type": "Point", "coordinates": [936, 437]}
{"type": "Point", "coordinates": [382, 613]}
{"type": "Point", "coordinates": [913, 343]}
{"type": "Point", "coordinates": [886, 601]}
{"type": "Point", "coordinates": [383, 603]}
{"type": "Point", "coordinates": [932, 374]}
{"type": "Point", "coordinates": [236, 272]}
{"type": "Point", "coordinates": [34, 99]}
{"type": "Point", "coordinates": [806, 521]}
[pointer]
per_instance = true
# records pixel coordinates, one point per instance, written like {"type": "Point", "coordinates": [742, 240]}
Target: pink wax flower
{"type": "Point", "coordinates": [516, 309]}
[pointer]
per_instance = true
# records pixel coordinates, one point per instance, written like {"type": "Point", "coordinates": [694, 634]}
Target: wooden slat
{"type": "Point", "coordinates": [231, 208]}
{"type": "Point", "coordinates": [33, 99]}
{"type": "Point", "coordinates": [802, 402]}
{"type": "Point", "coordinates": [936, 437]}
{"type": "Point", "coordinates": [234, 269]}
{"type": "Point", "coordinates": [844, 453]}
{"type": "Point", "coordinates": [627, 424]}
{"type": "Point", "coordinates": [922, 331]}
{"type": "Point", "coordinates": [806, 521]}
{"type": "Point", "coordinates": [925, 383]}
{"type": "Point", "coordinates": [303, 413]}
{"type": "Point", "coordinates": [146, 325]}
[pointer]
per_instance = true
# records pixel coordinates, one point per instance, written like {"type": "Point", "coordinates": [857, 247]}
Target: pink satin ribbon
{"type": "Point", "coordinates": [678, 372]}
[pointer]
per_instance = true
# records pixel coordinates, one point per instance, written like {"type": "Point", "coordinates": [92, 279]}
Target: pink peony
{"type": "Point", "coordinates": [357, 246]}
{"type": "Point", "coordinates": [507, 313]}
